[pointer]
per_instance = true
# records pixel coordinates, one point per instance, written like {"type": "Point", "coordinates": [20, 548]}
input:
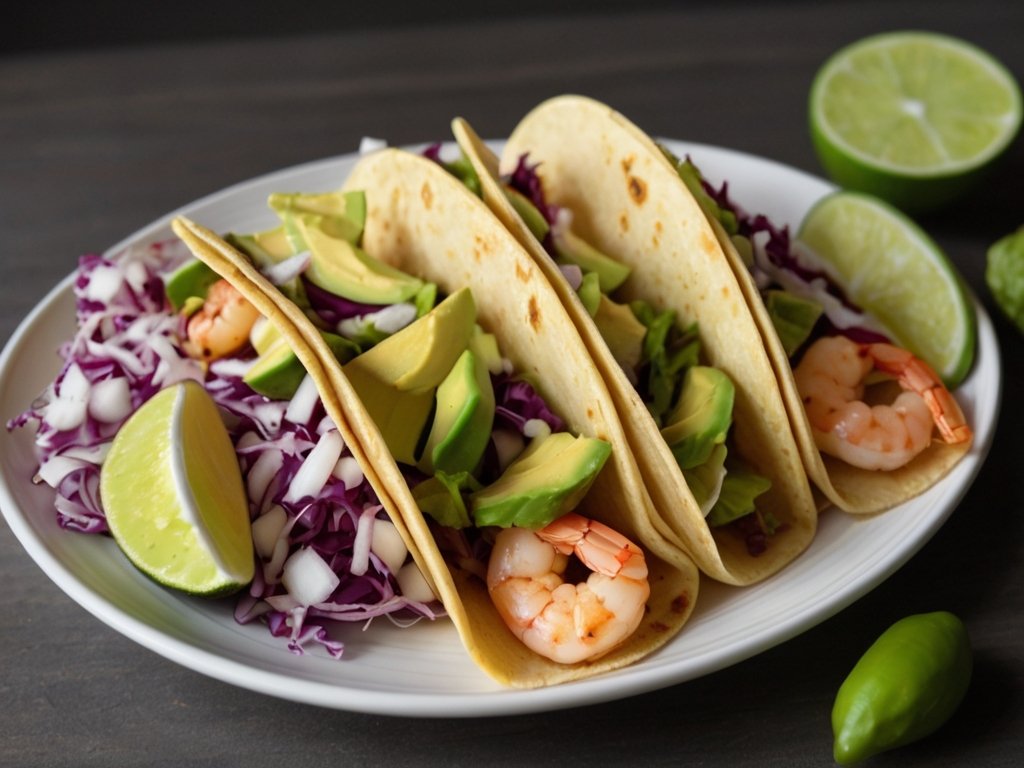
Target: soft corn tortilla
{"type": "Point", "coordinates": [423, 221]}
{"type": "Point", "coordinates": [627, 201]}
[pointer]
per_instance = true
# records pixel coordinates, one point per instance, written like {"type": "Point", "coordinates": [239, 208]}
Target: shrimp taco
{"type": "Point", "coordinates": [488, 427]}
{"type": "Point", "coordinates": [646, 283]}
{"type": "Point", "coordinates": [865, 411]}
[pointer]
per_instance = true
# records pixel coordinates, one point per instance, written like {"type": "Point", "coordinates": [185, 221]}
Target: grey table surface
{"type": "Point", "coordinates": [95, 144]}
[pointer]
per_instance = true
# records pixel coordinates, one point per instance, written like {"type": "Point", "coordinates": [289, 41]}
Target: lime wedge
{"type": "Point", "coordinates": [173, 495]}
{"type": "Point", "coordinates": [892, 269]}
{"type": "Point", "coordinates": [912, 117]}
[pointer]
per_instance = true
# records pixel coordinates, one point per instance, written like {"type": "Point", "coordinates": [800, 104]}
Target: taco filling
{"type": "Point", "coordinates": [480, 451]}
{"type": "Point", "coordinates": [691, 403]}
{"type": "Point", "coordinates": [846, 367]}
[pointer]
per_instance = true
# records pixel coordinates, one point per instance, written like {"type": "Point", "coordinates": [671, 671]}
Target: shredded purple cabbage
{"type": "Point", "coordinates": [126, 329]}
{"type": "Point", "coordinates": [525, 181]}
{"type": "Point", "coordinates": [779, 249]}
{"type": "Point", "coordinates": [333, 308]}
{"type": "Point", "coordinates": [516, 402]}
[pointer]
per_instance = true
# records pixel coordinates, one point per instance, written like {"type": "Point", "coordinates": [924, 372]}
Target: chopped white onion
{"type": "Point", "coordinates": [388, 545]}
{"type": "Point", "coordinates": [395, 317]}
{"type": "Point", "coordinates": [262, 472]}
{"type": "Point", "coordinates": [104, 283]}
{"type": "Point", "coordinates": [64, 414]}
{"type": "Point", "coordinates": [111, 400]}
{"type": "Point", "coordinates": [388, 320]}
{"type": "Point", "coordinates": [536, 428]}
{"type": "Point", "coordinates": [284, 271]}
{"type": "Point", "coordinates": [316, 467]}
{"type": "Point", "coordinates": [300, 409]}
{"type": "Point", "coordinates": [413, 584]}
{"type": "Point", "coordinates": [308, 578]}
{"type": "Point", "coordinates": [232, 366]}
{"type": "Point", "coordinates": [349, 472]}
{"type": "Point", "coordinates": [272, 568]}
{"type": "Point", "coordinates": [74, 385]}
{"type": "Point", "coordinates": [267, 528]}
{"type": "Point", "coordinates": [362, 541]}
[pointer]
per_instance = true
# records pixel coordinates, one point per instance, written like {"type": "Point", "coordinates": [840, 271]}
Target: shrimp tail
{"type": "Point", "coordinates": [915, 375]}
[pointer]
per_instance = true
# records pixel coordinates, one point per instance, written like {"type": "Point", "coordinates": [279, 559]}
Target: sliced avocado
{"type": "Point", "coordinates": [590, 293]}
{"type": "Point", "coordinates": [441, 497]}
{"type": "Point", "coordinates": [485, 347]}
{"type": "Point", "coordinates": [348, 271]}
{"type": "Point", "coordinates": [191, 280]}
{"type": "Point", "coordinates": [622, 332]}
{"type": "Point", "coordinates": [532, 218]}
{"type": "Point", "coordinates": [343, 214]}
{"type": "Point", "coordinates": [572, 248]}
{"type": "Point", "coordinates": [263, 334]}
{"type": "Point", "coordinates": [278, 372]}
{"type": "Point", "coordinates": [396, 379]}
{"type": "Point", "coordinates": [793, 317]}
{"type": "Point", "coordinates": [702, 417]}
{"type": "Point", "coordinates": [463, 418]}
{"type": "Point", "coordinates": [548, 480]}
{"type": "Point", "coordinates": [265, 248]}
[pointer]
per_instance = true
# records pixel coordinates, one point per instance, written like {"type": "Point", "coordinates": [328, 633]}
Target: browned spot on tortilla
{"type": "Point", "coordinates": [627, 164]}
{"type": "Point", "coordinates": [659, 626]}
{"type": "Point", "coordinates": [522, 274]}
{"type": "Point", "coordinates": [655, 240]}
{"type": "Point", "coordinates": [534, 313]}
{"type": "Point", "coordinates": [624, 221]}
{"type": "Point", "coordinates": [637, 189]}
{"type": "Point", "coordinates": [428, 195]}
{"type": "Point", "coordinates": [725, 291]}
{"type": "Point", "coordinates": [590, 412]}
{"type": "Point", "coordinates": [681, 603]}
{"type": "Point", "coordinates": [707, 243]}
{"type": "Point", "coordinates": [657, 226]}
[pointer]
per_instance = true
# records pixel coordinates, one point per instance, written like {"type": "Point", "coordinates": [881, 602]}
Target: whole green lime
{"type": "Point", "coordinates": [1004, 274]}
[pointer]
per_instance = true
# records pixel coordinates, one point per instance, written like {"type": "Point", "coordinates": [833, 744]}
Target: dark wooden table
{"type": "Point", "coordinates": [94, 145]}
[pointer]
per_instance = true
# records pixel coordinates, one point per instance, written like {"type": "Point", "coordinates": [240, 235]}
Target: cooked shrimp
{"type": "Point", "coordinates": [565, 622]}
{"type": "Point", "coordinates": [830, 379]}
{"type": "Point", "coordinates": [222, 324]}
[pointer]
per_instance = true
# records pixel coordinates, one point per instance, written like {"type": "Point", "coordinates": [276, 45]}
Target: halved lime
{"type": "Point", "coordinates": [173, 496]}
{"type": "Point", "coordinates": [912, 117]}
{"type": "Point", "coordinates": [891, 268]}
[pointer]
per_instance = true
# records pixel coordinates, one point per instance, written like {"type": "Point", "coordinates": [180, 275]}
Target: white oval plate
{"type": "Point", "coordinates": [423, 671]}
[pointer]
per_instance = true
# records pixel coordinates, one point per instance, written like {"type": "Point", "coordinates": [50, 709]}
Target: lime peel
{"type": "Point", "coordinates": [892, 269]}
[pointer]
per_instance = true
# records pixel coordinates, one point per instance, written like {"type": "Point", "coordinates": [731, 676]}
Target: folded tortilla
{"type": "Point", "coordinates": [850, 488]}
{"type": "Point", "coordinates": [627, 201]}
{"type": "Point", "coordinates": [426, 223]}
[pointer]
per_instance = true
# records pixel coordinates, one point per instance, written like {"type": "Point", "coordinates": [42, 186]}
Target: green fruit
{"type": "Point", "coordinates": [173, 495]}
{"type": "Point", "coordinates": [1004, 274]}
{"type": "Point", "coordinates": [907, 684]}
{"type": "Point", "coordinates": [891, 268]}
{"type": "Point", "coordinates": [912, 117]}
